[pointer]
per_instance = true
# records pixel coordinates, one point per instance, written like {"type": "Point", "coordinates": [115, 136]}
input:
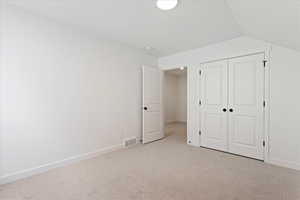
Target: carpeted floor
{"type": "Point", "coordinates": [164, 170]}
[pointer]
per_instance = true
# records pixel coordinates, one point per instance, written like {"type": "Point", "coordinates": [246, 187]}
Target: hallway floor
{"type": "Point", "coordinates": [167, 169]}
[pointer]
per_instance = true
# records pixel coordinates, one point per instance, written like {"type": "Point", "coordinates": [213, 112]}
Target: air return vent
{"type": "Point", "coordinates": [130, 142]}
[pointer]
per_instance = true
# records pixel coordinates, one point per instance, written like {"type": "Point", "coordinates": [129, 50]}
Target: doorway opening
{"type": "Point", "coordinates": [175, 104]}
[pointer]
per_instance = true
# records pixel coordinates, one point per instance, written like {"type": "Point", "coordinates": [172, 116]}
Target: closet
{"type": "Point", "coordinates": [232, 105]}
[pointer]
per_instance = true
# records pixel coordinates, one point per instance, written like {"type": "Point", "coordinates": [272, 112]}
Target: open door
{"type": "Point", "coordinates": [152, 104]}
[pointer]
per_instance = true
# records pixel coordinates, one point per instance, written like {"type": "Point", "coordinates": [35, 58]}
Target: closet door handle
{"type": "Point", "coordinates": [224, 109]}
{"type": "Point", "coordinates": [145, 108]}
{"type": "Point", "coordinates": [230, 110]}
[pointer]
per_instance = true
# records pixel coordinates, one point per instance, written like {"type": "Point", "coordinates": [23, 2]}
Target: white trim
{"type": "Point", "coordinates": [242, 53]}
{"type": "Point", "coordinates": [162, 100]}
{"type": "Point", "coordinates": [192, 125]}
{"type": "Point", "coordinates": [175, 122]}
{"type": "Point", "coordinates": [188, 118]}
{"type": "Point", "coordinates": [44, 168]}
{"type": "Point", "coordinates": [284, 163]}
{"type": "Point", "coordinates": [267, 101]}
{"type": "Point", "coordinates": [143, 103]}
{"type": "Point", "coordinates": [170, 122]}
{"type": "Point", "coordinates": [233, 57]}
{"type": "Point", "coordinates": [198, 97]}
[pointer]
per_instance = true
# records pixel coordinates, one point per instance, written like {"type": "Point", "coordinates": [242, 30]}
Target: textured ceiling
{"type": "Point", "coordinates": [193, 24]}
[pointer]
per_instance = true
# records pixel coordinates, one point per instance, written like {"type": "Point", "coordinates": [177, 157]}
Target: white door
{"type": "Point", "coordinates": [213, 105]}
{"type": "Point", "coordinates": [246, 110]}
{"type": "Point", "coordinates": [152, 104]}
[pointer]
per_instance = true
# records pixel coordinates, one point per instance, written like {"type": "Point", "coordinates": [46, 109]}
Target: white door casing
{"type": "Point", "coordinates": [152, 104]}
{"type": "Point", "coordinates": [246, 97]}
{"type": "Point", "coordinates": [213, 102]}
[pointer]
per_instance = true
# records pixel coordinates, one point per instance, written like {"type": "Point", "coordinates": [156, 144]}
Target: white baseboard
{"type": "Point", "coordinates": [43, 168]}
{"type": "Point", "coordinates": [283, 163]}
{"type": "Point", "coordinates": [175, 122]}
{"type": "Point", "coordinates": [170, 122]}
{"type": "Point", "coordinates": [181, 122]}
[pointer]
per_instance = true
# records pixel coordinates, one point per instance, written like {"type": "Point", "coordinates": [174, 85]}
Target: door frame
{"type": "Point", "coordinates": [187, 98]}
{"type": "Point", "coordinates": [266, 118]}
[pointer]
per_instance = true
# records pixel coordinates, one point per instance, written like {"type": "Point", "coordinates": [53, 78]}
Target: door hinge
{"type": "Point", "coordinates": [200, 72]}
{"type": "Point", "coordinates": [264, 104]}
{"type": "Point", "coordinates": [200, 102]}
{"type": "Point", "coordinates": [264, 143]}
{"type": "Point", "coordinates": [265, 63]}
{"type": "Point", "coordinates": [199, 132]}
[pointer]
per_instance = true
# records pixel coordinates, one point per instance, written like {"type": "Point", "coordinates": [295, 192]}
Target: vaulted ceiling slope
{"type": "Point", "coordinates": [276, 21]}
{"type": "Point", "coordinates": [193, 24]}
{"type": "Point", "coordinates": [138, 23]}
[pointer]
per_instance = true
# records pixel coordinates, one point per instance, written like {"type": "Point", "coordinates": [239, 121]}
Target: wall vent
{"type": "Point", "coordinates": [130, 142]}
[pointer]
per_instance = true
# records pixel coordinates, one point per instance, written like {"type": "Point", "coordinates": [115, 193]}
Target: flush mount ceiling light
{"type": "Point", "coordinates": [166, 4]}
{"type": "Point", "coordinates": [148, 48]}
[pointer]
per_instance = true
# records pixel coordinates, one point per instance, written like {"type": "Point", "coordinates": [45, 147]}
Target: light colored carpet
{"type": "Point", "coordinates": [164, 170]}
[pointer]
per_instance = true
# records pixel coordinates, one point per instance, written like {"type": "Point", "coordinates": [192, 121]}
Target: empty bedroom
{"type": "Point", "coordinates": [149, 100]}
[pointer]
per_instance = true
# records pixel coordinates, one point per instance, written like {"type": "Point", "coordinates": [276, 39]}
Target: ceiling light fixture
{"type": "Point", "coordinates": [166, 4]}
{"type": "Point", "coordinates": [148, 48]}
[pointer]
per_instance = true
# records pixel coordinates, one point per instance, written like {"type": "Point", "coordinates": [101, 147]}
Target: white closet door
{"type": "Point", "coordinates": [246, 96]}
{"type": "Point", "coordinates": [213, 102]}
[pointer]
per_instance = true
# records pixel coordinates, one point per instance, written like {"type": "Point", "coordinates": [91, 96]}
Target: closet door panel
{"type": "Point", "coordinates": [246, 94]}
{"type": "Point", "coordinates": [213, 101]}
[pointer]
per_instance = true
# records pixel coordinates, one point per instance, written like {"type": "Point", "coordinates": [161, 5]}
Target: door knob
{"type": "Point", "coordinates": [230, 110]}
{"type": "Point", "coordinates": [145, 108]}
{"type": "Point", "coordinates": [224, 109]}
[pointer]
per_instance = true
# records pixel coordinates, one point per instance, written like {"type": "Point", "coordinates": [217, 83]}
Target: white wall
{"type": "Point", "coordinates": [170, 100]}
{"type": "Point", "coordinates": [181, 98]}
{"type": "Point", "coordinates": [222, 50]}
{"type": "Point", "coordinates": [285, 107]}
{"type": "Point", "coordinates": [284, 68]}
{"type": "Point", "coordinates": [63, 93]}
{"type": "Point", "coordinates": [175, 96]}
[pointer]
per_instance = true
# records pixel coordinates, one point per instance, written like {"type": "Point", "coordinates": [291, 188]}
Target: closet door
{"type": "Point", "coordinates": [246, 96]}
{"type": "Point", "coordinates": [214, 105]}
